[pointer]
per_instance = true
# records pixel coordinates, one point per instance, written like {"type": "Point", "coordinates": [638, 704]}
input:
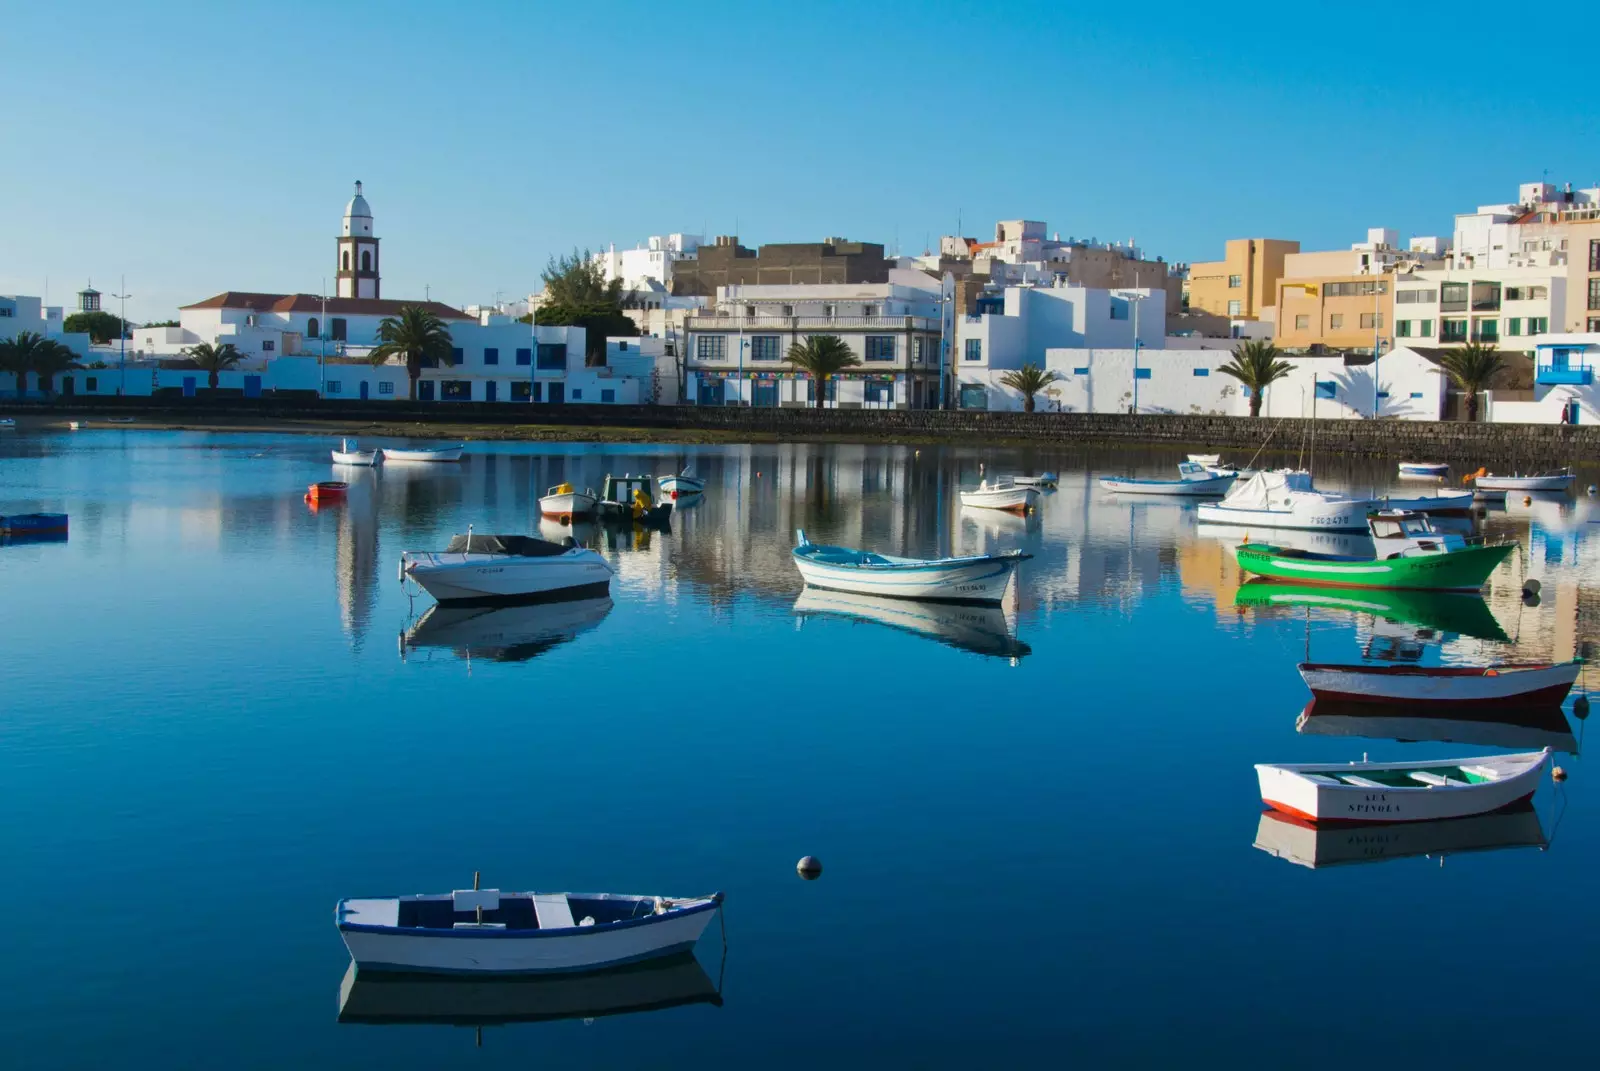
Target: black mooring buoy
{"type": "Point", "coordinates": [1580, 707]}
{"type": "Point", "coordinates": [809, 868]}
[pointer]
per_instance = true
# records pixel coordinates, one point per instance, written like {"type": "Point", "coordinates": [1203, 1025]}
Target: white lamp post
{"type": "Point", "coordinates": [122, 339]}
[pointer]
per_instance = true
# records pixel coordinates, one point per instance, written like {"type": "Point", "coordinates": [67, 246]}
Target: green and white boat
{"type": "Point", "coordinates": [1411, 555]}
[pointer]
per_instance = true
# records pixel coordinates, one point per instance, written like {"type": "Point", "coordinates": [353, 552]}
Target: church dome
{"type": "Point", "coordinates": [358, 205]}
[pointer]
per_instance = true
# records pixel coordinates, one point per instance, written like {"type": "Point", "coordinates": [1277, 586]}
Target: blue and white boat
{"type": "Point", "coordinates": [979, 578]}
{"type": "Point", "coordinates": [33, 524]}
{"type": "Point", "coordinates": [1424, 470]}
{"type": "Point", "coordinates": [1193, 479]}
{"type": "Point", "coordinates": [473, 931]}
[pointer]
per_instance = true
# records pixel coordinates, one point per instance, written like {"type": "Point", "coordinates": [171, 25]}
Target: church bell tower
{"type": "Point", "coordinates": [357, 269]}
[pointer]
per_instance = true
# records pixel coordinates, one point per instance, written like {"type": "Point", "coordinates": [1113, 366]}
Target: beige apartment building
{"type": "Point", "coordinates": [1343, 312]}
{"type": "Point", "coordinates": [1243, 284]}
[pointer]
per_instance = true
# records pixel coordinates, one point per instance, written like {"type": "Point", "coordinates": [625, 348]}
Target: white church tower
{"type": "Point", "coordinates": [358, 251]}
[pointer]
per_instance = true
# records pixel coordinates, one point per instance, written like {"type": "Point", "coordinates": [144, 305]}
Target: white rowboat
{"type": "Point", "coordinates": [350, 453]}
{"type": "Point", "coordinates": [682, 483]}
{"type": "Point", "coordinates": [980, 578]}
{"type": "Point", "coordinates": [485, 570]}
{"type": "Point", "coordinates": [1002, 494]}
{"type": "Point", "coordinates": [1438, 502]}
{"type": "Point", "coordinates": [1542, 684]}
{"type": "Point", "coordinates": [472, 931]}
{"type": "Point", "coordinates": [1400, 791]}
{"type": "Point", "coordinates": [1194, 479]}
{"type": "Point", "coordinates": [1209, 461]}
{"type": "Point", "coordinates": [1044, 479]}
{"type": "Point", "coordinates": [1548, 481]}
{"type": "Point", "coordinates": [563, 502]}
{"type": "Point", "coordinates": [1424, 470]}
{"type": "Point", "coordinates": [442, 453]}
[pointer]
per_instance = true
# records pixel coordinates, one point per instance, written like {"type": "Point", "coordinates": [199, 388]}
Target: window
{"type": "Point", "coordinates": [91, 384]}
{"type": "Point", "coordinates": [827, 310]}
{"type": "Point", "coordinates": [1354, 289]}
{"type": "Point", "coordinates": [1302, 322]}
{"type": "Point", "coordinates": [1425, 329]}
{"type": "Point", "coordinates": [622, 347]}
{"type": "Point", "coordinates": [267, 345]}
{"type": "Point", "coordinates": [1402, 328]}
{"type": "Point", "coordinates": [750, 311]}
{"type": "Point", "coordinates": [1527, 293]}
{"type": "Point", "coordinates": [788, 310]}
{"type": "Point", "coordinates": [336, 329]}
{"type": "Point", "coordinates": [1538, 325]}
{"type": "Point", "coordinates": [764, 347]}
{"type": "Point", "coordinates": [869, 310]}
{"type": "Point", "coordinates": [344, 261]}
{"type": "Point", "coordinates": [1594, 294]}
{"type": "Point", "coordinates": [830, 391]}
{"type": "Point", "coordinates": [1594, 254]}
{"type": "Point", "coordinates": [1141, 373]}
{"type": "Point", "coordinates": [311, 327]}
{"type": "Point", "coordinates": [1453, 296]}
{"type": "Point", "coordinates": [538, 391]}
{"type": "Point", "coordinates": [1119, 310]}
{"type": "Point", "coordinates": [385, 388]}
{"type": "Point", "coordinates": [1594, 323]}
{"type": "Point", "coordinates": [1514, 325]}
{"type": "Point", "coordinates": [524, 355]}
{"type": "Point", "coordinates": [7, 311]}
{"type": "Point", "coordinates": [1486, 330]}
{"type": "Point", "coordinates": [880, 347]}
{"type": "Point", "coordinates": [1536, 293]}
{"type": "Point", "coordinates": [1233, 308]}
{"type": "Point", "coordinates": [1383, 394]}
{"type": "Point", "coordinates": [521, 391]}
{"type": "Point", "coordinates": [974, 349]}
{"type": "Point", "coordinates": [878, 390]}
{"type": "Point", "coordinates": [707, 348]}
{"type": "Point", "coordinates": [1408, 297]}
{"type": "Point", "coordinates": [491, 355]}
{"type": "Point", "coordinates": [577, 395]}
{"type": "Point", "coordinates": [552, 356]}
{"type": "Point", "coordinates": [1372, 320]}
{"type": "Point", "coordinates": [1080, 371]}
{"type": "Point", "coordinates": [334, 386]}
{"type": "Point", "coordinates": [455, 390]}
{"type": "Point", "coordinates": [1327, 388]}
{"type": "Point", "coordinates": [366, 260]}
{"type": "Point", "coordinates": [605, 395]}
{"type": "Point", "coordinates": [974, 396]}
{"type": "Point", "coordinates": [1452, 331]}
{"type": "Point", "coordinates": [1235, 282]}
{"type": "Point", "coordinates": [1335, 321]}
{"type": "Point", "coordinates": [1202, 371]}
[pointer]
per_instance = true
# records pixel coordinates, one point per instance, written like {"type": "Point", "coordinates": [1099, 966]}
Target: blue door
{"type": "Point", "coordinates": [252, 386]}
{"type": "Point", "coordinates": [188, 386]}
{"type": "Point", "coordinates": [424, 390]}
{"type": "Point", "coordinates": [765, 394]}
{"type": "Point", "coordinates": [364, 388]}
{"type": "Point", "coordinates": [1572, 412]}
{"type": "Point", "coordinates": [491, 391]}
{"type": "Point", "coordinates": [558, 393]}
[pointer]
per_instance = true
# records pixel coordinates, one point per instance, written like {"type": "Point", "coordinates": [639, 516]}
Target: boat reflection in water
{"type": "Point", "coordinates": [1519, 728]}
{"type": "Point", "coordinates": [555, 530]}
{"type": "Point", "coordinates": [984, 630]}
{"type": "Point", "coordinates": [1463, 614]}
{"type": "Point", "coordinates": [381, 998]}
{"type": "Point", "coordinates": [1323, 845]}
{"type": "Point", "coordinates": [503, 633]}
{"type": "Point", "coordinates": [1349, 544]}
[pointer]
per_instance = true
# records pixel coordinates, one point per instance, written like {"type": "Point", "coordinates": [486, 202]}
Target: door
{"type": "Point", "coordinates": [424, 390]}
{"type": "Point", "coordinates": [1572, 411]}
{"type": "Point", "coordinates": [252, 387]}
{"type": "Point", "coordinates": [766, 393]}
{"type": "Point", "coordinates": [365, 386]}
{"type": "Point", "coordinates": [491, 390]}
{"type": "Point", "coordinates": [188, 386]}
{"type": "Point", "coordinates": [558, 393]}
{"type": "Point", "coordinates": [69, 386]}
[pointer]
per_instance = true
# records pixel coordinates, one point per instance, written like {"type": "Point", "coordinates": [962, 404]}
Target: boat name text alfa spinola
{"type": "Point", "coordinates": [1374, 804]}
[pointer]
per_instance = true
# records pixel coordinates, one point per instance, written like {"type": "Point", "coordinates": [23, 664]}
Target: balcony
{"type": "Point", "coordinates": [1570, 375]}
{"type": "Point", "coordinates": [755, 325]}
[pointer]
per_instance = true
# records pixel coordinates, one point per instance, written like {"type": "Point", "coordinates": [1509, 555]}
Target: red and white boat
{"type": "Point", "coordinates": [1400, 791]}
{"type": "Point", "coordinates": [1531, 684]}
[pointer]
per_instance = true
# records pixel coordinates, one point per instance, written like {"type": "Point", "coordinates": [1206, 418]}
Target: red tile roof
{"type": "Point", "coordinates": [239, 299]}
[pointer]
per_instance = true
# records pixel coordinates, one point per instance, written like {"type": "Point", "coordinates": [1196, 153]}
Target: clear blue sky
{"type": "Point", "coordinates": [196, 147]}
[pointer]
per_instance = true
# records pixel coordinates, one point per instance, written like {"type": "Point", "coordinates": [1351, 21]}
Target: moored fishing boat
{"type": "Point", "coordinates": [1400, 791]}
{"type": "Point", "coordinates": [1043, 480]}
{"type": "Point", "coordinates": [1193, 479]}
{"type": "Point", "coordinates": [626, 499]}
{"type": "Point", "coordinates": [33, 524]}
{"type": "Point", "coordinates": [978, 578]}
{"type": "Point", "coordinates": [350, 453]}
{"type": "Point", "coordinates": [488, 569]}
{"type": "Point", "coordinates": [1507, 685]}
{"type": "Point", "coordinates": [1411, 553]}
{"type": "Point", "coordinates": [473, 931]}
{"type": "Point", "coordinates": [1287, 500]}
{"type": "Point", "coordinates": [1540, 481]}
{"type": "Point", "coordinates": [435, 453]}
{"type": "Point", "coordinates": [1312, 845]}
{"type": "Point", "coordinates": [7, 422]}
{"type": "Point", "coordinates": [681, 483]}
{"type": "Point", "coordinates": [1001, 494]}
{"type": "Point", "coordinates": [564, 502]}
{"type": "Point", "coordinates": [1424, 470]}
{"type": "Point", "coordinates": [327, 491]}
{"type": "Point", "coordinates": [1458, 502]}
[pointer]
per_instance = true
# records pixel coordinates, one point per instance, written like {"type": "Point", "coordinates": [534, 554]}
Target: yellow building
{"type": "Point", "coordinates": [1336, 312]}
{"type": "Point", "coordinates": [1244, 282]}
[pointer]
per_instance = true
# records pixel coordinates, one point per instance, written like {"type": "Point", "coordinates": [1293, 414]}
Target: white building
{"type": "Point", "coordinates": [736, 351]}
{"type": "Point", "coordinates": [20, 314]}
{"type": "Point", "coordinates": [1508, 306]}
{"type": "Point", "coordinates": [1017, 325]}
{"type": "Point", "coordinates": [1563, 384]}
{"type": "Point", "coordinates": [1492, 236]}
{"type": "Point", "coordinates": [649, 263]}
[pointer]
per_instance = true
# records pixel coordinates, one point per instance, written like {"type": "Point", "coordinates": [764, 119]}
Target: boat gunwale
{"type": "Point", "coordinates": [1439, 671]}
{"type": "Point", "coordinates": [806, 553]}
{"type": "Point", "coordinates": [706, 903]}
{"type": "Point", "coordinates": [1528, 760]}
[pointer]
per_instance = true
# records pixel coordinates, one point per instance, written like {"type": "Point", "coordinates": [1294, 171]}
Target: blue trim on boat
{"type": "Point", "coordinates": [588, 968]}
{"type": "Point", "coordinates": [810, 550]}
{"type": "Point", "coordinates": [506, 935]}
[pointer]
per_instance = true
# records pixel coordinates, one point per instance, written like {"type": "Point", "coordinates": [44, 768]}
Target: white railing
{"type": "Point", "coordinates": [755, 325]}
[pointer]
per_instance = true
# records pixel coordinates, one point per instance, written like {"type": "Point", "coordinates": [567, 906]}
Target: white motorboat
{"type": "Point", "coordinates": [503, 633]}
{"type": "Point", "coordinates": [1423, 470]}
{"type": "Point", "coordinates": [350, 453]}
{"type": "Point", "coordinates": [1543, 481]}
{"type": "Point", "coordinates": [75, 425]}
{"type": "Point", "coordinates": [1194, 480]}
{"type": "Point", "coordinates": [438, 453]}
{"type": "Point", "coordinates": [1003, 494]}
{"type": "Point", "coordinates": [1206, 461]}
{"type": "Point", "coordinates": [682, 483]}
{"type": "Point", "coordinates": [7, 422]}
{"type": "Point", "coordinates": [1400, 791]}
{"type": "Point", "coordinates": [473, 931]}
{"type": "Point", "coordinates": [564, 502]}
{"type": "Point", "coordinates": [981, 629]}
{"type": "Point", "coordinates": [1042, 480]}
{"type": "Point", "coordinates": [1311, 845]}
{"type": "Point", "coordinates": [488, 569]}
{"type": "Point", "coordinates": [1284, 499]}
{"type": "Point", "coordinates": [1505, 685]}
{"type": "Point", "coordinates": [1445, 501]}
{"type": "Point", "coordinates": [980, 578]}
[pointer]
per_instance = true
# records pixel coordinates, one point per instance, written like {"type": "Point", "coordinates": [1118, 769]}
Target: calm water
{"type": "Point", "coordinates": [1038, 824]}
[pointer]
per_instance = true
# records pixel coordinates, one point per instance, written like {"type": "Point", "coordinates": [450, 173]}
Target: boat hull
{"type": "Point", "coordinates": [448, 454]}
{"type": "Point", "coordinates": [1044, 479]}
{"type": "Point", "coordinates": [567, 505]}
{"type": "Point", "coordinates": [1348, 515]}
{"type": "Point", "coordinates": [1011, 499]}
{"type": "Point", "coordinates": [1524, 483]}
{"type": "Point", "coordinates": [1534, 686]}
{"type": "Point", "coordinates": [1284, 789]}
{"type": "Point", "coordinates": [1442, 502]}
{"type": "Point", "coordinates": [975, 580]}
{"type": "Point", "coordinates": [1461, 570]}
{"type": "Point", "coordinates": [489, 580]}
{"type": "Point", "coordinates": [355, 457]}
{"type": "Point", "coordinates": [1214, 486]}
{"type": "Point", "coordinates": [1429, 470]}
{"type": "Point", "coordinates": [681, 485]}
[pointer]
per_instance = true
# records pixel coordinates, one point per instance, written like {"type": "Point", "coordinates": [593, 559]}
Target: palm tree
{"type": "Point", "coordinates": [214, 360]}
{"type": "Point", "coordinates": [1473, 367]}
{"type": "Point", "coordinates": [48, 360]}
{"type": "Point", "coordinates": [1030, 379]}
{"type": "Point", "coordinates": [1257, 366]}
{"type": "Point", "coordinates": [416, 335]}
{"type": "Point", "coordinates": [16, 356]}
{"type": "Point", "coordinates": [821, 356]}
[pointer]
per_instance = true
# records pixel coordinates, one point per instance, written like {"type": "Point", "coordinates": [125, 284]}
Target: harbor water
{"type": "Point", "coordinates": [1042, 839]}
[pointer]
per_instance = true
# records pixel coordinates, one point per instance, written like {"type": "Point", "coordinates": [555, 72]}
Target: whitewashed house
{"type": "Point", "coordinates": [21, 313]}
{"type": "Point", "coordinates": [1563, 384]}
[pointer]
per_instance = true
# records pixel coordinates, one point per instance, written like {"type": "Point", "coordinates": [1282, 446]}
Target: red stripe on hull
{"type": "Point", "coordinates": [1330, 823]}
{"type": "Point", "coordinates": [1550, 696]}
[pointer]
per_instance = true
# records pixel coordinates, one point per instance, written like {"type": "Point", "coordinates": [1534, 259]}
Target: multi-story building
{"type": "Point", "coordinates": [1243, 284]}
{"type": "Point", "coordinates": [831, 262]}
{"type": "Point", "coordinates": [651, 263]}
{"type": "Point", "coordinates": [736, 351]}
{"type": "Point", "coordinates": [1380, 254]}
{"type": "Point", "coordinates": [1506, 306]}
{"type": "Point", "coordinates": [1341, 312]}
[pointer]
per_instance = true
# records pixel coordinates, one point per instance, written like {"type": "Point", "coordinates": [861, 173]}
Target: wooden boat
{"type": "Point", "coordinates": [563, 502]}
{"type": "Point", "coordinates": [682, 483]}
{"type": "Point", "coordinates": [1513, 727]}
{"type": "Point", "coordinates": [1400, 791]}
{"type": "Point", "coordinates": [1314, 845]}
{"type": "Point", "coordinates": [980, 578]}
{"type": "Point", "coordinates": [1411, 554]}
{"type": "Point", "coordinates": [503, 633]}
{"type": "Point", "coordinates": [1042, 480]}
{"type": "Point", "coordinates": [485, 570]}
{"type": "Point", "coordinates": [1424, 470]}
{"type": "Point", "coordinates": [327, 491]}
{"type": "Point", "coordinates": [1446, 502]}
{"type": "Point", "coordinates": [980, 629]}
{"type": "Point", "coordinates": [386, 998]}
{"type": "Point", "coordinates": [1286, 499]}
{"type": "Point", "coordinates": [350, 453]}
{"type": "Point", "coordinates": [1001, 494]}
{"type": "Point", "coordinates": [1447, 612]}
{"type": "Point", "coordinates": [472, 931]}
{"type": "Point", "coordinates": [1542, 481]}
{"type": "Point", "coordinates": [1511, 684]}
{"type": "Point", "coordinates": [33, 524]}
{"type": "Point", "coordinates": [1206, 461]}
{"type": "Point", "coordinates": [1193, 479]}
{"type": "Point", "coordinates": [626, 499]}
{"type": "Point", "coordinates": [437, 453]}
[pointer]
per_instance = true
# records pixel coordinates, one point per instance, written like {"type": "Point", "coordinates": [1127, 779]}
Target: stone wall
{"type": "Point", "coordinates": [1497, 445]}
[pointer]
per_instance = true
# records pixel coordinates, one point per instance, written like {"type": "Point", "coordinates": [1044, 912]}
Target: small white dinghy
{"type": "Point", "coordinates": [485, 570]}
{"type": "Point", "coordinates": [1400, 791]}
{"type": "Point", "coordinates": [7, 422]}
{"type": "Point", "coordinates": [1544, 481]}
{"type": "Point", "coordinates": [980, 578]}
{"type": "Point", "coordinates": [563, 502]}
{"type": "Point", "coordinates": [1445, 501]}
{"type": "Point", "coordinates": [682, 483]}
{"type": "Point", "coordinates": [1004, 494]}
{"type": "Point", "coordinates": [473, 931]}
{"type": "Point", "coordinates": [350, 453]}
{"type": "Point", "coordinates": [1423, 470]}
{"type": "Point", "coordinates": [1194, 479]}
{"type": "Point", "coordinates": [1206, 461]}
{"type": "Point", "coordinates": [1043, 479]}
{"type": "Point", "coordinates": [1538, 684]}
{"type": "Point", "coordinates": [438, 453]}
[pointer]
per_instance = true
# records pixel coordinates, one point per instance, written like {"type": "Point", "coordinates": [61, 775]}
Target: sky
{"type": "Point", "coordinates": [192, 148]}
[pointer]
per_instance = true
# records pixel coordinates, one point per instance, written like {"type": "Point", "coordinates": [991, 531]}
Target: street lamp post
{"type": "Point", "coordinates": [1133, 298]}
{"type": "Point", "coordinates": [122, 339]}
